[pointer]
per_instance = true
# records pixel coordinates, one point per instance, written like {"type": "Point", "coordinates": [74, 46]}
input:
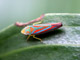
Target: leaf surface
{"type": "Point", "coordinates": [13, 43]}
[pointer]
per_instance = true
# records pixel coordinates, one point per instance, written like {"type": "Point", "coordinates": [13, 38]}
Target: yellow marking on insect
{"type": "Point", "coordinates": [23, 31]}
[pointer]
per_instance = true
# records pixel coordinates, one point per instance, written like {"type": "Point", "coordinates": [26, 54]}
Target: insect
{"type": "Point", "coordinates": [36, 29]}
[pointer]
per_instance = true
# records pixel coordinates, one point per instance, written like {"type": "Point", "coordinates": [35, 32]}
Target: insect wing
{"type": "Point", "coordinates": [43, 28]}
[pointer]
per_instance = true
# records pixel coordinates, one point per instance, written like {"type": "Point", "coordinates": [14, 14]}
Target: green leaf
{"type": "Point", "coordinates": [44, 52]}
{"type": "Point", "coordinates": [13, 44]}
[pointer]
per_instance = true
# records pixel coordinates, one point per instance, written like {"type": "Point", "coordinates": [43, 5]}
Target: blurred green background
{"type": "Point", "coordinates": [22, 10]}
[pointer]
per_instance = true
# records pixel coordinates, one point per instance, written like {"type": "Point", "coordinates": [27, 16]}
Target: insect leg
{"type": "Point", "coordinates": [37, 38]}
{"type": "Point", "coordinates": [28, 37]}
{"type": "Point", "coordinates": [38, 22]}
